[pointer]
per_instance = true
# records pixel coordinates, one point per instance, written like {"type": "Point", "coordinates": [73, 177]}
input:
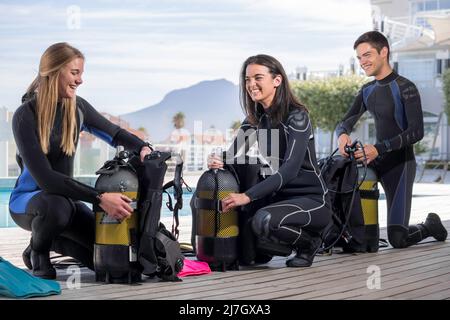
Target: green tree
{"type": "Point", "coordinates": [178, 120]}
{"type": "Point", "coordinates": [420, 147]}
{"type": "Point", "coordinates": [235, 125]}
{"type": "Point", "coordinates": [328, 100]}
{"type": "Point", "coordinates": [143, 130]}
{"type": "Point", "coordinates": [446, 89]}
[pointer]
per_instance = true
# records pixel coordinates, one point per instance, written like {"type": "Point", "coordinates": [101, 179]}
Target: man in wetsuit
{"type": "Point", "coordinates": [394, 103]}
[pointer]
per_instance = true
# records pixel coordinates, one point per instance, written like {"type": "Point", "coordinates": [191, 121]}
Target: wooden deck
{"type": "Point", "coordinates": [418, 272]}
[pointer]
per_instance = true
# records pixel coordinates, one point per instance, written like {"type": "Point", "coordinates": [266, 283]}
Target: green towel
{"type": "Point", "coordinates": [17, 283]}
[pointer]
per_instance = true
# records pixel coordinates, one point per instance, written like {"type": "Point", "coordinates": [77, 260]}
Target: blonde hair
{"type": "Point", "coordinates": [46, 84]}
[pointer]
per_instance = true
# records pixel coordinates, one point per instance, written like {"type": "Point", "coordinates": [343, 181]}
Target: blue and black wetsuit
{"type": "Point", "coordinates": [294, 194]}
{"type": "Point", "coordinates": [394, 103]}
{"type": "Point", "coordinates": [46, 199]}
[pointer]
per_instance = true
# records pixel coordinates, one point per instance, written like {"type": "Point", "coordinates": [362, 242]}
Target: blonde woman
{"type": "Point", "coordinates": [46, 200]}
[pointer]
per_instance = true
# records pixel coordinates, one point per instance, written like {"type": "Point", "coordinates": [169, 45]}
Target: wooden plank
{"type": "Point", "coordinates": [357, 283]}
{"type": "Point", "coordinates": [238, 281]}
{"type": "Point", "coordinates": [410, 283]}
{"type": "Point", "coordinates": [237, 277]}
{"type": "Point", "coordinates": [424, 291]}
{"type": "Point", "coordinates": [420, 271]}
{"type": "Point", "coordinates": [313, 288]}
{"type": "Point", "coordinates": [317, 284]}
{"type": "Point", "coordinates": [440, 295]}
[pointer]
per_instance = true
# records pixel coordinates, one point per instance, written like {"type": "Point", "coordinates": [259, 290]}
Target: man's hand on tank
{"type": "Point", "coordinates": [343, 141]}
{"type": "Point", "coordinates": [370, 151]}
{"type": "Point", "coordinates": [214, 162]}
{"type": "Point", "coordinates": [234, 200]}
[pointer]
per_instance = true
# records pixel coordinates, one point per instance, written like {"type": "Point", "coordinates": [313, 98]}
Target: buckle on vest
{"type": "Point", "coordinates": [219, 206]}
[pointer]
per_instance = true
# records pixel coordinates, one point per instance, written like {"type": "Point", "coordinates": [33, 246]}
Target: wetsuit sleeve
{"type": "Point", "coordinates": [410, 98]}
{"type": "Point", "coordinates": [245, 139]}
{"type": "Point", "coordinates": [26, 138]}
{"type": "Point", "coordinates": [353, 114]}
{"type": "Point", "coordinates": [98, 125]}
{"type": "Point", "coordinates": [300, 132]}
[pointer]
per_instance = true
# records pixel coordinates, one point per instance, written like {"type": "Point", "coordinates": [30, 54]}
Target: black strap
{"type": "Point", "coordinates": [177, 184]}
{"type": "Point", "coordinates": [216, 196]}
{"type": "Point", "coordinates": [174, 209]}
{"type": "Point", "coordinates": [208, 204]}
{"type": "Point", "coordinates": [369, 194]}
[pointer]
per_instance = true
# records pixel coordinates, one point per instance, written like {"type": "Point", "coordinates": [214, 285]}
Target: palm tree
{"type": "Point", "coordinates": [178, 120]}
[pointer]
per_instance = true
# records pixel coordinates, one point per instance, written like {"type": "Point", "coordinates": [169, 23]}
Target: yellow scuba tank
{"type": "Point", "coordinates": [115, 248]}
{"type": "Point", "coordinates": [216, 232]}
{"type": "Point", "coordinates": [369, 193]}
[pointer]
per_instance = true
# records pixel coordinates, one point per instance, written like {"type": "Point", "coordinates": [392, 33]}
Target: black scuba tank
{"type": "Point", "coordinates": [116, 242]}
{"type": "Point", "coordinates": [216, 232]}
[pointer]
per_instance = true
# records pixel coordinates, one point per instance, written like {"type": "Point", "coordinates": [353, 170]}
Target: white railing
{"type": "Point", "coordinates": [402, 33]}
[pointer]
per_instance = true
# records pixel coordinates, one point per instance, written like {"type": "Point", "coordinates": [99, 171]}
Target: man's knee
{"type": "Point", "coordinates": [397, 236]}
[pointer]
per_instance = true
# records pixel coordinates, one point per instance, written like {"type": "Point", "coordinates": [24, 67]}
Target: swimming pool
{"type": "Point", "coordinates": [6, 221]}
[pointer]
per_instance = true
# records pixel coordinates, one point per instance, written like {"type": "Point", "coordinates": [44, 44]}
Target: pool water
{"type": "Point", "coordinates": [6, 220]}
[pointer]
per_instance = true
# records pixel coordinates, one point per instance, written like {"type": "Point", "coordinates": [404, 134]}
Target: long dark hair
{"type": "Point", "coordinates": [283, 101]}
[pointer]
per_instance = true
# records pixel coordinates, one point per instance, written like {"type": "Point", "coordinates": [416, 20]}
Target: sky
{"type": "Point", "coordinates": [138, 51]}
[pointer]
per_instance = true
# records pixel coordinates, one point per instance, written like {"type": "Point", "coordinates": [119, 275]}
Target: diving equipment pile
{"type": "Point", "coordinates": [140, 244]}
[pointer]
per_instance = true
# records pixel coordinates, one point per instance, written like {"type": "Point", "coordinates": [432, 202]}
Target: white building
{"type": "Point", "coordinates": [419, 34]}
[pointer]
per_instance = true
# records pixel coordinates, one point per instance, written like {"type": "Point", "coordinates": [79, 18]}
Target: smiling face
{"type": "Point", "coordinates": [260, 84]}
{"type": "Point", "coordinates": [70, 78]}
{"type": "Point", "coordinates": [372, 62]}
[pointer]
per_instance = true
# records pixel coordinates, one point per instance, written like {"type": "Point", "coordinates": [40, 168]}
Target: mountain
{"type": "Point", "coordinates": [214, 102]}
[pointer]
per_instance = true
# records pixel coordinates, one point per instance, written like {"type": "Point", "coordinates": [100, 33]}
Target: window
{"type": "Point", "coordinates": [431, 5]}
{"type": "Point", "coordinates": [427, 5]}
{"type": "Point", "coordinates": [420, 70]}
{"type": "Point", "coordinates": [444, 4]}
{"type": "Point", "coordinates": [439, 66]}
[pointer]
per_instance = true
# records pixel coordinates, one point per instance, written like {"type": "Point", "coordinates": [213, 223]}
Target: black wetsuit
{"type": "Point", "coordinates": [46, 199]}
{"type": "Point", "coordinates": [394, 103]}
{"type": "Point", "coordinates": [294, 194]}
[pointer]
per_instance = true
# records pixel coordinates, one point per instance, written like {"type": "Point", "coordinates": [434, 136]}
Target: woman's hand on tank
{"type": "Point", "coordinates": [145, 151]}
{"type": "Point", "coordinates": [215, 162]}
{"type": "Point", "coordinates": [234, 200]}
{"type": "Point", "coordinates": [116, 205]}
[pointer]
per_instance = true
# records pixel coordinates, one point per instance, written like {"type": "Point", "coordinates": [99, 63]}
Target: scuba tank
{"type": "Point", "coordinates": [115, 247]}
{"type": "Point", "coordinates": [216, 232]}
{"type": "Point", "coordinates": [368, 190]}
